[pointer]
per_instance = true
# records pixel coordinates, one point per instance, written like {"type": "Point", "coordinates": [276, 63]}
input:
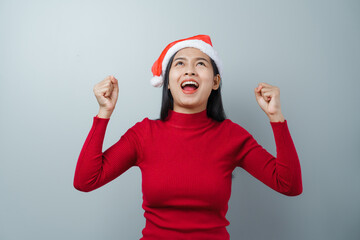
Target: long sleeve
{"type": "Point", "coordinates": [96, 168]}
{"type": "Point", "coordinates": [283, 173]}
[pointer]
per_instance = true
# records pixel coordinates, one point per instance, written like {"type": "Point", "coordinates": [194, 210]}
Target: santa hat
{"type": "Point", "coordinates": [201, 42]}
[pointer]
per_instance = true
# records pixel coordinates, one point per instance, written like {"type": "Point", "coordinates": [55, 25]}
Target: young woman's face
{"type": "Point", "coordinates": [191, 64]}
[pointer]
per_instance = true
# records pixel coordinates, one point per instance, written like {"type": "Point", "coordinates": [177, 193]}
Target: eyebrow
{"type": "Point", "coordinates": [198, 58]}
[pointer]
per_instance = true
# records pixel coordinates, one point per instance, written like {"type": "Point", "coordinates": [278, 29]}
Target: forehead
{"type": "Point", "coordinates": [191, 52]}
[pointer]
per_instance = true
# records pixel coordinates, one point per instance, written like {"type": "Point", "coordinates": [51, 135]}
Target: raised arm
{"type": "Point", "coordinates": [96, 168]}
{"type": "Point", "coordinates": [281, 173]}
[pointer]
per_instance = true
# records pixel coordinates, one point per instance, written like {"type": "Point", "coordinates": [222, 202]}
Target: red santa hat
{"type": "Point", "coordinates": [201, 42]}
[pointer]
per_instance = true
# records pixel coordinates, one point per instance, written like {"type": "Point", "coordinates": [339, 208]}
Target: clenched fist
{"type": "Point", "coordinates": [106, 93]}
{"type": "Point", "coordinates": [268, 98]}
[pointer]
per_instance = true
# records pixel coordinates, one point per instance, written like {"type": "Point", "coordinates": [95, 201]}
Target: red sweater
{"type": "Point", "coordinates": [186, 164]}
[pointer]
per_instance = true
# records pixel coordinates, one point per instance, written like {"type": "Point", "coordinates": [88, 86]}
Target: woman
{"type": "Point", "coordinates": [187, 156]}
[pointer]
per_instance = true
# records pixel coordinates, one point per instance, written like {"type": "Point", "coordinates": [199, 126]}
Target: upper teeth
{"type": "Point", "coordinates": [189, 82]}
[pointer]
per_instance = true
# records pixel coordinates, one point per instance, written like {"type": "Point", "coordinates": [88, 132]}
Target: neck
{"type": "Point", "coordinates": [188, 120]}
{"type": "Point", "coordinates": [189, 110]}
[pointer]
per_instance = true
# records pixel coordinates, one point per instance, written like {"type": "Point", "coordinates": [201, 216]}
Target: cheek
{"type": "Point", "coordinates": [207, 87]}
{"type": "Point", "coordinates": [171, 81]}
{"type": "Point", "coordinates": [208, 80]}
{"type": "Point", "coordinates": [208, 74]}
{"type": "Point", "coordinates": [173, 77]}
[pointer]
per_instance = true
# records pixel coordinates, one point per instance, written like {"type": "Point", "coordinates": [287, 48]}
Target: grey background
{"type": "Point", "coordinates": [52, 53]}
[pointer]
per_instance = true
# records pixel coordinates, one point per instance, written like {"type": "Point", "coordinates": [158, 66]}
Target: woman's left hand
{"type": "Point", "coordinates": [268, 98]}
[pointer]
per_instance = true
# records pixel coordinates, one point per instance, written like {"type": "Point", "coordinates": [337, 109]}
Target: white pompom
{"type": "Point", "coordinates": [157, 81]}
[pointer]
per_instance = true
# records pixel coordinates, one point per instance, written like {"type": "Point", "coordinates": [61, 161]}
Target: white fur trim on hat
{"type": "Point", "coordinates": [157, 81]}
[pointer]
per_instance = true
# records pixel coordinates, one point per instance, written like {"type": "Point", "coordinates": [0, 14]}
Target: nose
{"type": "Point", "coordinates": [190, 71]}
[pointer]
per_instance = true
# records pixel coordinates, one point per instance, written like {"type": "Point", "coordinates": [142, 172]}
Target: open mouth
{"type": "Point", "coordinates": [189, 86]}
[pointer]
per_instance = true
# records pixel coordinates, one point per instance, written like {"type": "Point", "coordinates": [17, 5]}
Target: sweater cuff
{"type": "Point", "coordinates": [278, 122]}
{"type": "Point", "coordinates": [100, 117]}
{"type": "Point", "coordinates": [281, 132]}
{"type": "Point", "coordinates": [102, 122]}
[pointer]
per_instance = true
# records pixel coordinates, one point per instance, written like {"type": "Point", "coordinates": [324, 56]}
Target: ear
{"type": "Point", "coordinates": [217, 79]}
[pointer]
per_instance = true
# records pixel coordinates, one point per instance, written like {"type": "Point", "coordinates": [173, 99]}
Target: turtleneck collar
{"type": "Point", "coordinates": [188, 120]}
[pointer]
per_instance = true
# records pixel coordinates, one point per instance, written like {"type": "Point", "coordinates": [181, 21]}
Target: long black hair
{"type": "Point", "coordinates": [214, 106]}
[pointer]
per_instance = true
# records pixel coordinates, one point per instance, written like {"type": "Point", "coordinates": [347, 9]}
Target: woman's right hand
{"type": "Point", "coordinates": [106, 93]}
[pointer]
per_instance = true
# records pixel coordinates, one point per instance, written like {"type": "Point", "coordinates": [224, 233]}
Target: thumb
{"type": "Point", "coordinates": [115, 91]}
{"type": "Point", "coordinates": [115, 83]}
{"type": "Point", "coordinates": [257, 92]}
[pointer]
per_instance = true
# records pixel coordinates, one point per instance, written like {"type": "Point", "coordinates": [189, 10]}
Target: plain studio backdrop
{"type": "Point", "coordinates": [52, 53]}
